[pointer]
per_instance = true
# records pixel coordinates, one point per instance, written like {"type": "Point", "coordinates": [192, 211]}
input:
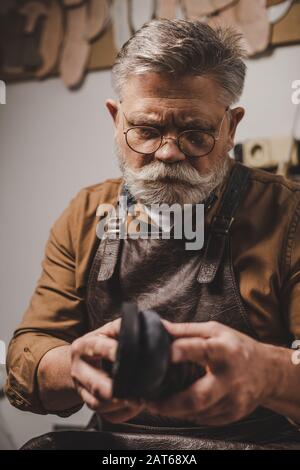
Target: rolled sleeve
{"type": "Point", "coordinates": [24, 355]}
{"type": "Point", "coordinates": [56, 315]}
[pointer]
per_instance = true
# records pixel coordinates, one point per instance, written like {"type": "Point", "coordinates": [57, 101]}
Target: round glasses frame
{"type": "Point", "coordinates": [177, 139]}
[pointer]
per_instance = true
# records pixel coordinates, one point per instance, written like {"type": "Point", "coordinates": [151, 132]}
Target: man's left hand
{"type": "Point", "coordinates": [240, 374]}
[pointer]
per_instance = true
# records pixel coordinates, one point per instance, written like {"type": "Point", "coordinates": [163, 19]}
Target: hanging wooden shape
{"type": "Point", "coordinates": [32, 11]}
{"type": "Point", "coordinates": [97, 19]}
{"type": "Point", "coordinates": [51, 39]}
{"type": "Point", "coordinates": [35, 13]}
{"type": "Point", "coordinates": [251, 20]}
{"type": "Point", "coordinates": [72, 3]}
{"type": "Point", "coordinates": [195, 9]}
{"type": "Point", "coordinates": [76, 49]}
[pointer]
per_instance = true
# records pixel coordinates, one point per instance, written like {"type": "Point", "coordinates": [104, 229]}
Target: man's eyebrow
{"type": "Point", "coordinates": [202, 123]}
{"type": "Point", "coordinates": [141, 118]}
{"type": "Point", "coordinates": [197, 122]}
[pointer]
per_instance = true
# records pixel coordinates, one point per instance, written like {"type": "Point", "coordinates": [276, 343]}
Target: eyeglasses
{"type": "Point", "coordinates": [147, 140]}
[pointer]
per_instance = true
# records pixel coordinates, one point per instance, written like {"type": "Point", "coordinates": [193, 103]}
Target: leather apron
{"type": "Point", "coordinates": [218, 299]}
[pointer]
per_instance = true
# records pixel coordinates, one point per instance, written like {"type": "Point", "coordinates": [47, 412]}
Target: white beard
{"type": "Point", "coordinates": [171, 183]}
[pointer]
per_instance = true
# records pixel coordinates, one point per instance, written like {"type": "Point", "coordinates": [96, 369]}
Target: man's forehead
{"type": "Point", "coordinates": [159, 97]}
{"type": "Point", "coordinates": [151, 114]}
{"type": "Point", "coordinates": [159, 86]}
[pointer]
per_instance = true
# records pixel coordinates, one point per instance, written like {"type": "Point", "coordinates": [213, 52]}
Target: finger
{"type": "Point", "coordinates": [207, 352]}
{"type": "Point", "coordinates": [95, 381]}
{"type": "Point", "coordinates": [202, 329]}
{"type": "Point", "coordinates": [190, 349]}
{"type": "Point", "coordinates": [92, 402]}
{"type": "Point", "coordinates": [103, 406]}
{"type": "Point", "coordinates": [111, 329]}
{"type": "Point", "coordinates": [204, 393]}
{"type": "Point", "coordinates": [122, 415]}
{"type": "Point", "coordinates": [117, 404]}
{"type": "Point", "coordinates": [112, 405]}
{"type": "Point", "coordinates": [98, 346]}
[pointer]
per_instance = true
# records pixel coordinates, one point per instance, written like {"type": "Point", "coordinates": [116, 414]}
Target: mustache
{"type": "Point", "coordinates": [180, 172]}
{"type": "Point", "coordinates": [159, 182]}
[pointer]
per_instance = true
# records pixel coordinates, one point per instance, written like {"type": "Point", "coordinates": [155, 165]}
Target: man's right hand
{"type": "Point", "coordinates": [93, 384]}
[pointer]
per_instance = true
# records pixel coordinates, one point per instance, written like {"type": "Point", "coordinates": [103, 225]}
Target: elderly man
{"type": "Point", "coordinates": [232, 306]}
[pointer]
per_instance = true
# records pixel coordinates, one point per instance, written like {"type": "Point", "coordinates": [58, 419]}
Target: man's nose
{"type": "Point", "coordinates": [169, 151]}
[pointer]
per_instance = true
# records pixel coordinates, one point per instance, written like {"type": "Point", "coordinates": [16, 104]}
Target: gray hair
{"type": "Point", "coordinates": [180, 48]}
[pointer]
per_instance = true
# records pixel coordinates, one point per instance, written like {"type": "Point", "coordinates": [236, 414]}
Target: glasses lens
{"type": "Point", "coordinates": [196, 143]}
{"type": "Point", "coordinates": [144, 139]}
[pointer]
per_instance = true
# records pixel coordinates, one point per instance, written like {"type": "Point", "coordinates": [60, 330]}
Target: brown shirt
{"type": "Point", "coordinates": [266, 259]}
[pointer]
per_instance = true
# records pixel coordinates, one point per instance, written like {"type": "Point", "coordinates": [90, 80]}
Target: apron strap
{"type": "Point", "coordinates": [108, 259]}
{"type": "Point", "coordinates": [221, 223]}
{"type": "Point", "coordinates": [109, 246]}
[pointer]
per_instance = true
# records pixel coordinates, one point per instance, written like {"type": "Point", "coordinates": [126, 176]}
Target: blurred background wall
{"type": "Point", "coordinates": [53, 143]}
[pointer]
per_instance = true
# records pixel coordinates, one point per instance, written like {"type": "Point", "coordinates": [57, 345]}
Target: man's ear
{"type": "Point", "coordinates": [113, 109]}
{"type": "Point", "coordinates": [236, 116]}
